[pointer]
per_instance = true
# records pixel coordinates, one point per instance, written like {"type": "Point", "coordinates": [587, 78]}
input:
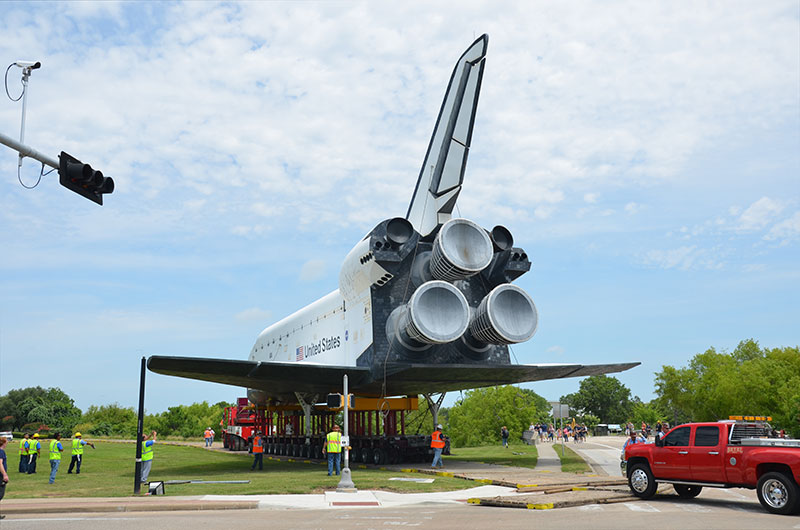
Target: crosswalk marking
{"type": "Point", "coordinates": [640, 507]}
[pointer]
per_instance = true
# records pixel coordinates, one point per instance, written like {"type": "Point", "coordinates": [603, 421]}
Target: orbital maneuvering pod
{"type": "Point", "coordinates": [446, 296]}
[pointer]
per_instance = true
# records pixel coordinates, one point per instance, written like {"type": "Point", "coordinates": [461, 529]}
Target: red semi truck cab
{"type": "Point", "coordinates": [724, 454]}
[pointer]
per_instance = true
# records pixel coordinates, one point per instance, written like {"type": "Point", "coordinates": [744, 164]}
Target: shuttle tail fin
{"type": "Point", "coordinates": [442, 171]}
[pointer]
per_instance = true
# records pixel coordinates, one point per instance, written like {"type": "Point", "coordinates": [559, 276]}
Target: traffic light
{"type": "Point", "coordinates": [336, 401]}
{"type": "Point", "coordinates": [82, 179]}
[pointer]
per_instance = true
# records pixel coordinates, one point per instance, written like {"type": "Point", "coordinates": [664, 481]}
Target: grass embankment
{"type": "Point", "coordinates": [108, 472]}
{"type": "Point", "coordinates": [571, 462]}
{"type": "Point", "coordinates": [516, 455]}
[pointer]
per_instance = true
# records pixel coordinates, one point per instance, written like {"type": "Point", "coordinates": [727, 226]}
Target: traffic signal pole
{"type": "Point", "coordinates": [25, 150]}
{"type": "Point", "coordinates": [346, 482]}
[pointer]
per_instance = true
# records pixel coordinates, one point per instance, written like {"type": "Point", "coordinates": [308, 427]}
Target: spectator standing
{"type": "Point", "coordinates": [55, 456]}
{"type": "Point", "coordinates": [504, 435]}
{"type": "Point", "coordinates": [634, 439]}
{"type": "Point", "coordinates": [3, 468]}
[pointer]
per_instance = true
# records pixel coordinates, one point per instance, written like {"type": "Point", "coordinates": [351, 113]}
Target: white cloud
{"type": "Point", "coordinates": [312, 270]}
{"type": "Point", "coordinates": [254, 314]}
{"type": "Point", "coordinates": [759, 214]}
{"type": "Point", "coordinates": [683, 258]}
{"type": "Point", "coordinates": [590, 198]}
{"type": "Point", "coordinates": [785, 230]}
{"type": "Point", "coordinates": [556, 350]}
{"type": "Point", "coordinates": [633, 208]}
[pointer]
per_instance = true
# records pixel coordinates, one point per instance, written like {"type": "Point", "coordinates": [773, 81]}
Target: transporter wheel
{"type": "Point", "coordinates": [366, 455]}
{"type": "Point", "coordinates": [642, 482]}
{"type": "Point", "coordinates": [394, 456]}
{"type": "Point", "coordinates": [382, 456]}
{"type": "Point", "coordinates": [355, 455]}
{"type": "Point", "coordinates": [686, 491]}
{"type": "Point", "coordinates": [778, 493]}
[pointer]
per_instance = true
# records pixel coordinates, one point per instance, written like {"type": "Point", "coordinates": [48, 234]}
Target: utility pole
{"type": "Point", "coordinates": [137, 473]}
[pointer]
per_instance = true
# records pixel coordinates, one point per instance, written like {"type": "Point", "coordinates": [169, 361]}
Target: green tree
{"type": "Point", "coordinates": [477, 419]}
{"type": "Point", "coordinates": [602, 396]}
{"type": "Point", "coordinates": [108, 420]}
{"type": "Point", "coordinates": [188, 421]}
{"type": "Point", "coordinates": [36, 405]}
{"type": "Point", "coordinates": [750, 381]}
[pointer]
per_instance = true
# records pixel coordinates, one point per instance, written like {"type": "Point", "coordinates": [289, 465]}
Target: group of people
{"type": "Point", "coordinates": [208, 436]}
{"type": "Point", "coordinates": [549, 433]}
{"type": "Point", "coordinates": [30, 448]}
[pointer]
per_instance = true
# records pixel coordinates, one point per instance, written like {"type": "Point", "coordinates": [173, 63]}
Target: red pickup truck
{"type": "Point", "coordinates": [725, 454]}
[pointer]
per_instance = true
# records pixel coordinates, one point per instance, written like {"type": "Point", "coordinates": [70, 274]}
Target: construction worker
{"type": "Point", "coordinates": [147, 454]}
{"type": "Point", "coordinates": [55, 456]}
{"type": "Point", "coordinates": [258, 452]}
{"type": "Point", "coordinates": [33, 452]}
{"type": "Point", "coordinates": [437, 443]}
{"type": "Point", "coordinates": [77, 453]}
{"type": "Point", "coordinates": [208, 436]}
{"type": "Point", "coordinates": [23, 454]}
{"type": "Point", "coordinates": [333, 448]}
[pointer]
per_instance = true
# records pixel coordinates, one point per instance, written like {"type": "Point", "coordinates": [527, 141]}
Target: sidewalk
{"type": "Point", "coordinates": [329, 499]}
{"type": "Point", "coordinates": [548, 461]}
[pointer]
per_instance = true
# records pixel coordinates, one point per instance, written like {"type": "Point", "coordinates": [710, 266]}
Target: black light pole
{"type": "Point", "coordinates": [137, 474]}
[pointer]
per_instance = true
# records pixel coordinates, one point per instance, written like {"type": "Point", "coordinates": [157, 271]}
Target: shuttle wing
{"type": "Point", "coordinates": [442, 171]}
{"type": "Point", "coordinates": [284, 379]}
{"type": "Point", "coordinates": [277, 379]}
{"type": "Point", "coordinates": [416, 379]}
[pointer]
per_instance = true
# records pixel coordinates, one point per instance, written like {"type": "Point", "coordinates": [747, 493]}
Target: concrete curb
{"type": "Point", "coordinates": [121, 505]}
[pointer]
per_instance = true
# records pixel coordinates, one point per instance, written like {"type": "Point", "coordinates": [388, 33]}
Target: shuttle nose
{"type": "Point", "coordinates": [462, 249]}
{"type": "Point", "coordinates": [507, 315]}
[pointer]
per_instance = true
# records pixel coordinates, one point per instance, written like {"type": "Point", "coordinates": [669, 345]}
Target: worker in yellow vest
{"type": "Point", "coordinates": [55, 456]}
{"type": "Point", "coordinates": [23, 454]}
{"type": "Point", "coordinates": [147, 454]}
{"type": "Point", "coordinates": [77, 453]}
{"type": "Point", "coordinates": [437, 443]}
{"type": "Point", "coordinates": [333, 448]}
{"type": "Point", "coordinates": [33, 452]}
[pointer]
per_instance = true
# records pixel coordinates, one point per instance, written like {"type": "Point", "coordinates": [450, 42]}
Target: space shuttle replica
{"type": "Point", "coordinates": [425, 302]}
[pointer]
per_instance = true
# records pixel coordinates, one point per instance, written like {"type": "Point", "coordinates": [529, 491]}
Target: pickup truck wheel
{"type": "Point", "coordinates": [642, 482]}
{"type": "Point", "coordinates": [778, 493]}
{"type": "Point", "coordinates": [685, 491]}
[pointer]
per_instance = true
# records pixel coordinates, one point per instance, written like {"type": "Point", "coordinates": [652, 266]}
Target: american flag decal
{"type": "Point", "coordinates": [300, 353]}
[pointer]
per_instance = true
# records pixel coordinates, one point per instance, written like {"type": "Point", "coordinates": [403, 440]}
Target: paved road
{"type": "Point", "coordinates": [661, 513]}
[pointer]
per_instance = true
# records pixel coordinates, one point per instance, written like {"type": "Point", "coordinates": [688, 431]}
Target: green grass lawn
{"type": "Point", "coordinates": [108, 472]}
{"type": "Point", "coordinates": [571, 462]}
{"type": "Point", "coordinates": [516, 455]}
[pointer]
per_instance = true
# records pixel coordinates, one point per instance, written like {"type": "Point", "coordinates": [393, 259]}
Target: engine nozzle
{"type": "Point", "coordinates": [507, 315]}
{"type": "Point", "coordinates": [437, 313]}
{"type": "Point", "coordinates": [461, 249]}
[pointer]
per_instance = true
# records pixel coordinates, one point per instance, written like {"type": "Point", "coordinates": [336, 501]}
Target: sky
{"type": "Point", "coordinates": [646, 155]}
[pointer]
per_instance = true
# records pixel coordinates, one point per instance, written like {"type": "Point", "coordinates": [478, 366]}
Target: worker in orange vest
{"type": "Point", "coordinates": [437, 443]}
{"type": "Point", "coordinates": [208, 435]}
{"type": "Point", "coordinates": [258, 452]}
